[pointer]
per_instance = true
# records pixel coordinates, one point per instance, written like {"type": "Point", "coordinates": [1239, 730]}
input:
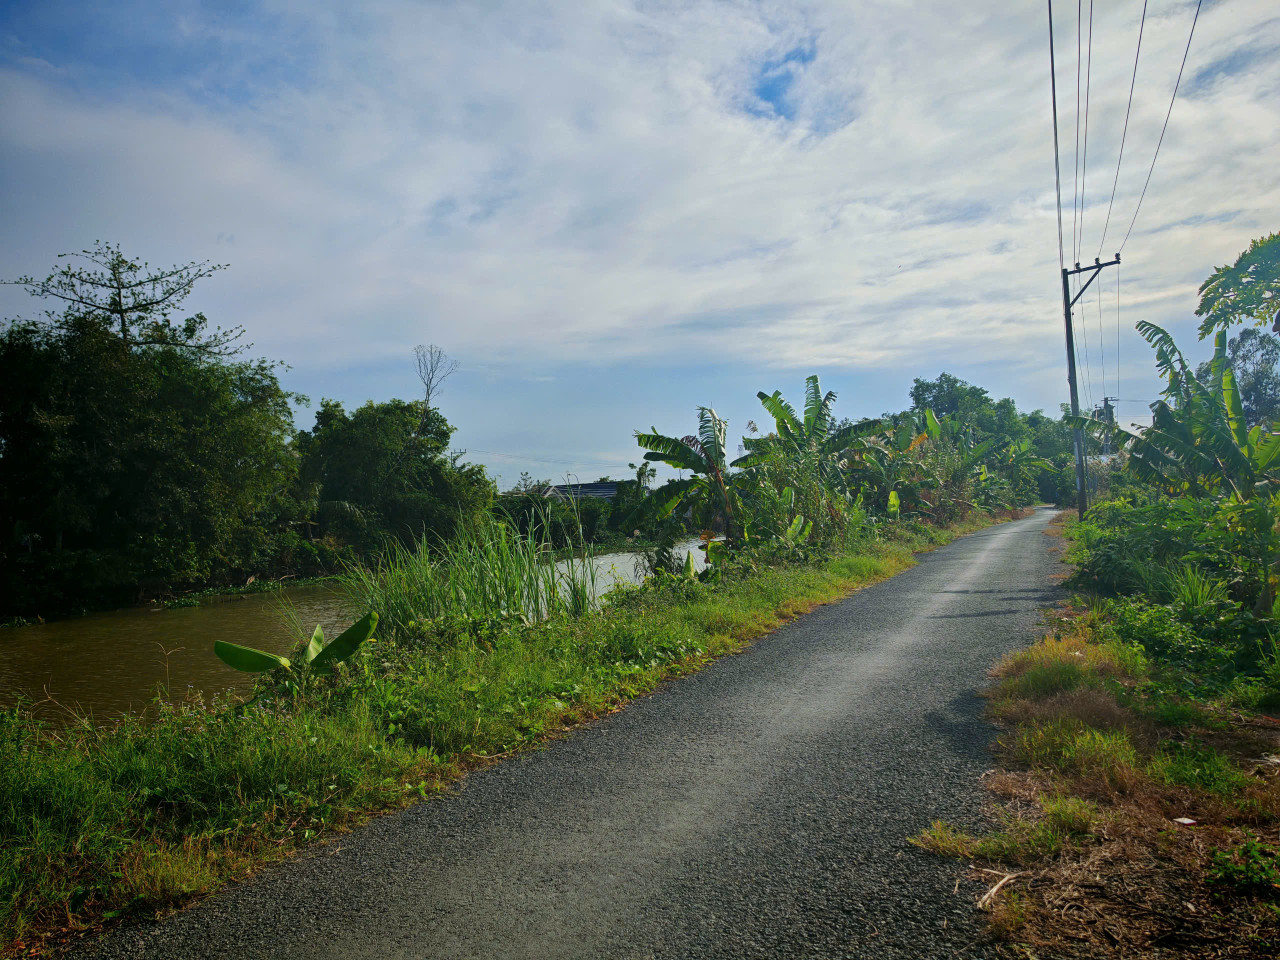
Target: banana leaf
{"type": "Point", "coordinates": [316, 644]}
{"type": "Point", "coordinates": [247, 659]}
{"type": "Point", "coordinates": [346, 644]}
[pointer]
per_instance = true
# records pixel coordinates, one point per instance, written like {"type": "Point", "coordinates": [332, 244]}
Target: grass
{"type": "Point", "coordinates": [1204, 768]}
{"type": "Point", "coordinates": [1062, 821]}
{"type": "Point", "coordinates": [1117, 779]}
{"type": "Point", "coordinates": [490, 573]}
{"type": "Point", "coordinates": [101, 820]}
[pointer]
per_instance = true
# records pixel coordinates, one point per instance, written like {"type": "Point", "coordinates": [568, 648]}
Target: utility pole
{"type": "Point", "coordinates": [1068, 302]}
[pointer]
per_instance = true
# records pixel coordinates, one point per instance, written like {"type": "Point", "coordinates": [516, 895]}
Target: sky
{"type": "Point", "coordinates": [611, 212]}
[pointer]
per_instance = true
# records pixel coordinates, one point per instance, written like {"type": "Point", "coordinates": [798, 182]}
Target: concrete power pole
{"type": "Point", "coordinates": [1068, 302]}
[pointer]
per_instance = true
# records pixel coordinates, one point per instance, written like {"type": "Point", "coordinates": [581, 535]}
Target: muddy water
{"type": "Point", "coordinates": [114, 662]}
{"type": "Point", "coordinates": [108, 663]}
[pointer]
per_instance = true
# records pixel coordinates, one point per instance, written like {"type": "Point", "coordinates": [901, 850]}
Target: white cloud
{"type": "Point", "coordinates": [550, 183]}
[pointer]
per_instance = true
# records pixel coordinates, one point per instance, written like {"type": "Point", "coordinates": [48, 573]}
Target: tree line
{"type": "Point", "coordinates": [143, 454]}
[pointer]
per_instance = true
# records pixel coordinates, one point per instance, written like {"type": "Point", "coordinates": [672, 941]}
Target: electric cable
{"type": "Point", "coordinates": [1057, 169]}
{"type": "Point", "coordinates": [1117, 329]}
{"type": "Point", "coordinates": [1124, 133]}
{"type": "Point", "coordinates": [1102, 350]}
{"type": "Point", "coordinates": [1084, 154]}
{"type": "Point", "coordinates": [1084, 340]}
{"type": "Point", "coordinates": [1168, 114]}
{"type": "Point", "coordinates": [1075, 175]}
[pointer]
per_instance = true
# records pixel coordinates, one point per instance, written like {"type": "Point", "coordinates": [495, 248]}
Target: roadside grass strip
{"type": "Point", "coordinates": [1125, 817]}
{"type": "Point", "coordinates": [99, 820]}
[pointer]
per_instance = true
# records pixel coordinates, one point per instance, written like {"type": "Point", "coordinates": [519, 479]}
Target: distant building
{"type": "Point", "coordinates": [582, 491]}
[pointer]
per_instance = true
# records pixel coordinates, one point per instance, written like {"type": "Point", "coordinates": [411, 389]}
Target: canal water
{"type": "Point", "coordinates": [110, 663]}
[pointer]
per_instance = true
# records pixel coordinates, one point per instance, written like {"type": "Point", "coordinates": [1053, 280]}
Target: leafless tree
{"type": "Point", "coordinates": [434, 368]}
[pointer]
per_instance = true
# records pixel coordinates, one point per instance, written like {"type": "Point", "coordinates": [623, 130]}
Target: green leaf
{"type": "Point", "coordinates": [894, 504]}
{"type": "Point", "coordinates": [796, 528]}
{"type": "Point", "coordinates": [346, 644]}
{"type": "Point", "coordinates": [673, 452]}
{"type": "Point", "coordinates": [247, 659]}
{"type": "Point", "coordinates": [717, 552]}
{"type": "Point", "coordinates": [689, 572]}
{"type": "Point", "coordinates": [316, 644]}
{"type": "Point", "coordinates": [784, 415]}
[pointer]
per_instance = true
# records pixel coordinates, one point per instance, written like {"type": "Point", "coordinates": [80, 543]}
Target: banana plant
{"type": "Point", "coordinates": [805, 455]}
{"type": "Point", "coordinates": [1198, 442]}
{"type": "Point", "coordinates": [711, 490]}
{"type": "Point", "coordinates": [320, 657]}
{"type": "Point", "coordinates": [891, 463]}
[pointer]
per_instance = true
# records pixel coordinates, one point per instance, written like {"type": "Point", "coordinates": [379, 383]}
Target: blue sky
{"type": "Point", "coordinates": [611, 212]}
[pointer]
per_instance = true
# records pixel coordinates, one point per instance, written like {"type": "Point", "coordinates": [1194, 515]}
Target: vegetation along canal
{"type": "Point", "coordinates": [115, 662]}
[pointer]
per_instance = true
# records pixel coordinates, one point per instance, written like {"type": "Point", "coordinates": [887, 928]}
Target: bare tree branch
{"type": "Point", "coordinates": [434, 368]}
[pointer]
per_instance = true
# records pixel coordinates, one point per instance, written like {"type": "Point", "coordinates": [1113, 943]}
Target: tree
{"type": "Point", "coordinates": [805, 456]}
{"type": "Point", "coordinates": [132, 449]}
{"type": "Point", "coordinates": [380, 460]}
{"type": "Point", "coordinates": [1253, 355]}
{"type": "Point", "coordinates": [946, 395]}
{"type": "Point", "coordinates": [434, 367]}
{"type": "Point", "coordinates": [1247, 291]}
{"type": "Point", "coordinates": [709, 493]}
{"type": "Point", "coordinates": [1198, 442]}
{"type": "Point", "coordinates": [125, 296]}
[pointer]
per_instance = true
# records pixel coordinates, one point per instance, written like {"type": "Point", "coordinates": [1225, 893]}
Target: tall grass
{"type": "Point", "coordinates": [489, 572]}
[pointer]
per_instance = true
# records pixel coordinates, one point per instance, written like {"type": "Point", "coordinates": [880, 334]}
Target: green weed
{"type": "Point", "coordinates": [1250, 868]}
{"type": "Point", "coordinates": [1071, 747]}
{"type": "Point", "coordinates": [1192, 765]}
{"type": "Point", "coordinates": [1064, 821]}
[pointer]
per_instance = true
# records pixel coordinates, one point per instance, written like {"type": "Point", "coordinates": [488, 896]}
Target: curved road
{"type": "Point", "coordinates": [759, 808]}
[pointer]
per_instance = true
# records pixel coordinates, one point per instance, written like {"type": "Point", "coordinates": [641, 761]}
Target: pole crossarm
{"type": "Point", "coordinates": [1096, 269]}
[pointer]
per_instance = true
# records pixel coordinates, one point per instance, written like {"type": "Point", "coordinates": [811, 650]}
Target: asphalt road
{"type": "Point", "coordinates": [759, 808]}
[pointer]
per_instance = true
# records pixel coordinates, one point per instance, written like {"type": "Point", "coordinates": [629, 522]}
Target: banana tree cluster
{"type": "Point", "coordinates": [710, 494]}
{"type": "Point", "coordinates": [808, 475]}
{"type": "Point", "coordinates": [796, 472]}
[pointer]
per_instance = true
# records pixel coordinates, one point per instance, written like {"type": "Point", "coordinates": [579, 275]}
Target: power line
{"type": "Point", "coordinates": [1075, 176]}
{"type": "Point", "coordinates": [1084, 156]}
{"type": "Point", "coordinates": [1169, 113]}
{"type": "Point", "coordinates": [1057, 170]}
{"type": "Point", "coordinates": [1117, 329]}
{"type": "Point", "coordinates": [1102, 350]}
{"type": "Point", "coordinates": [1088, 372]}
{"type": "Point", "coordinates": [1141, 24]}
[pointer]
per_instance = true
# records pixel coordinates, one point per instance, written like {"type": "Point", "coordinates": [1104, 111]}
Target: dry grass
{"type": "Point", "coordinates": [1087, 859]}
{"type": "Point", "coordinates": [1071, 650]}
{"type": "Point", "coordinates": [1094, 706]}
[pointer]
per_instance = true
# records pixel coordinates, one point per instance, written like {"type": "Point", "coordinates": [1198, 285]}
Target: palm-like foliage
{"type": "Point", "coordinates": [1198, 442]}
{"type": "Point", "coordinates": [814, 439]}
{"type": "Point", "coordinates": [890, 464]}
{"type": "Point", "coordinates": [1247, 291]}
{"type": "Point", "coordinates": [799, 465]}
{"type": "Point", "coordinates": [710, 492]}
